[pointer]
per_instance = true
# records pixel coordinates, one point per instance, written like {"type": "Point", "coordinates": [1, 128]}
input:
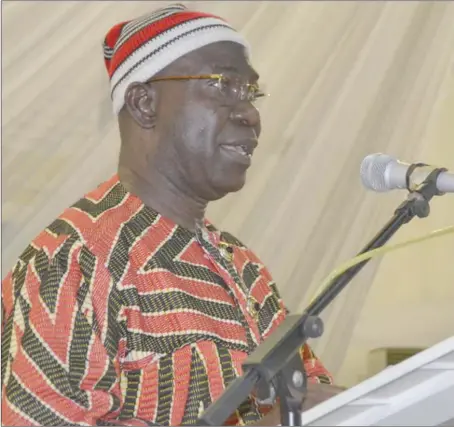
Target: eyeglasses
{"type": "Point", "coordinates": [232, 90]}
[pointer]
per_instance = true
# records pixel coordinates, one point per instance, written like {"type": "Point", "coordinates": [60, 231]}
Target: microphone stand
{"type": "Point", "coordinates": [275, 367]}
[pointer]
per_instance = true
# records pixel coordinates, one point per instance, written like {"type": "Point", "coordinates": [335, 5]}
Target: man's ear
{"type": "Point", "coordinates": [140, 101]}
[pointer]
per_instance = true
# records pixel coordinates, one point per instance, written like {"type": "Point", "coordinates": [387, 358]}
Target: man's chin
{"type": "Point", "coordinates": [226, 186]}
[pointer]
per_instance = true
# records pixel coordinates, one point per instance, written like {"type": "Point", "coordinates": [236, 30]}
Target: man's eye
{"type": "Point", "coordinates": [221, 83]}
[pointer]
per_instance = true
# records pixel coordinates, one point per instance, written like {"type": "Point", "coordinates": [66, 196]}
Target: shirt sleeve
{"type": "Point", "coordinates": [276, 311]}
{"type": "Point", "coordinates": [315, 370]}
{"type": "Point", "coordinates": [56, 366]}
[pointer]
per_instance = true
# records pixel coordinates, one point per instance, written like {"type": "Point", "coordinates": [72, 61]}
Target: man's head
{"type": "Point", "coordinates": [178, 117]}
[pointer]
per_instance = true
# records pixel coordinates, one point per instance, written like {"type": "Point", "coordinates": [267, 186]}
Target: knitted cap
{"type": "Point", "coordinates": [134, 51]}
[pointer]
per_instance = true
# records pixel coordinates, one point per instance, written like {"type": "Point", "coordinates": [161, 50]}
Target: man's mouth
{"type": "Point", "coordinates": [243, 150]}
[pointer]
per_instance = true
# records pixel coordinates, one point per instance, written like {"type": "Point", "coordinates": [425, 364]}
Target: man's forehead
{"type": "Point", "coordinates": [224, 57]}
{"type": "Point", "coordinates": [244, 70]}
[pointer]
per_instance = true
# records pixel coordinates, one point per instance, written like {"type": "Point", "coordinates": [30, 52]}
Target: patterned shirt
{"type": "Point", "coordinates": [116, 314]}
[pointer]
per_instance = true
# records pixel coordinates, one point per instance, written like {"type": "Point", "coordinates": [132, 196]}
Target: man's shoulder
{"type": "Point", "coordinates": [101, 211]}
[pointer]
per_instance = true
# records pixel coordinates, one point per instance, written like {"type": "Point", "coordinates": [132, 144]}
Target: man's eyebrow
{"type": "Point", "coordinates": [254, 75]}
{"type": "Point", "coordinates": [231, 68]}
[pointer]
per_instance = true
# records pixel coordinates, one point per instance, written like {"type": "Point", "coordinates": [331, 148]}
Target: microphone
{"type": "Point", "coordinates": [380, 172]}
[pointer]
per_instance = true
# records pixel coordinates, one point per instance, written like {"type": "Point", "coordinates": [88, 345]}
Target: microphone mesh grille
{"type": "Point", "coordinates": [373, 170]}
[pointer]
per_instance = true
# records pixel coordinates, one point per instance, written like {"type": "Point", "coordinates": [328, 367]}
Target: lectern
{"type": "Point", "coordinates": [416, 392]}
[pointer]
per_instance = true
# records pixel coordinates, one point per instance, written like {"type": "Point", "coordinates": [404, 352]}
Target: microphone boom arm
{"type": "Point", "coordinates": [275, 364]}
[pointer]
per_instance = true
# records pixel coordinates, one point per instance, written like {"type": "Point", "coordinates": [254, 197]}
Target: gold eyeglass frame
{"type": "Point", "coordinates": [257, 92]}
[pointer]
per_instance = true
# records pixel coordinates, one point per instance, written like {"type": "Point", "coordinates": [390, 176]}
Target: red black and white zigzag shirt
{"type": "Point", "coordinates": [114, 313]}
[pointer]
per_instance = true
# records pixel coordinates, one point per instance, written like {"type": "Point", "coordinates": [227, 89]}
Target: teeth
{"type": "Point", "coordinates": [245, 151]}
{"type": "Point", "coordinates": [240, 149]}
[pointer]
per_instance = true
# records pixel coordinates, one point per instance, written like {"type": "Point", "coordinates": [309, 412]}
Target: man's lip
{"type": "Point", "coordinates": [250, 144]}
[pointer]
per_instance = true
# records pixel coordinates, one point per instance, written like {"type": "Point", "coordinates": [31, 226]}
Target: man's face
{"type": "Point", "coordinates": [207, 134]}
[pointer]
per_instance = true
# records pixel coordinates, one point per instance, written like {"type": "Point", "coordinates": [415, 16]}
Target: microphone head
{"type": "Point", "coordinates": [373, 171]}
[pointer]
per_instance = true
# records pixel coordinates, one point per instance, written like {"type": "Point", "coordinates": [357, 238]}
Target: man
{"type": "Point", "coordinates": [131, 308]}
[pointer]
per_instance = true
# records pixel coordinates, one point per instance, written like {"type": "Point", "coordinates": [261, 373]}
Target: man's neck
{"type": "Point", "coordinates": [160, 194]}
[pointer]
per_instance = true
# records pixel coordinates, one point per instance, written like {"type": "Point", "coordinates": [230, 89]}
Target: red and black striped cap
{"type": "Point", "coordinates": [134, 51]}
